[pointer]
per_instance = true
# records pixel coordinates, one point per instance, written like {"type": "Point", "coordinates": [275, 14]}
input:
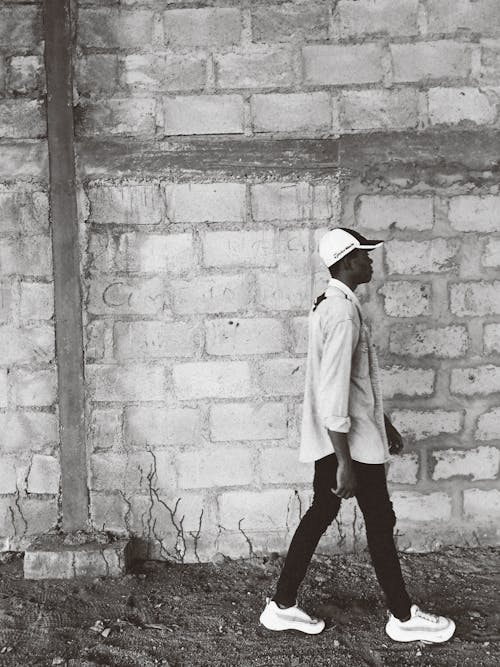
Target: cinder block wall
{"type": "Point", "coordinates": [199, 284]}
{"type": "Point", "coordinates": [29, 451]}
{"type": "Point", "coordinates": [198, 279]}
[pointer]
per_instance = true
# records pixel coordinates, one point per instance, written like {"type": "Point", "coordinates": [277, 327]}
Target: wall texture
{"type": "Point", "coordinates": [29, 451]}
{"type": "Point", "coordinates": [209, 166]}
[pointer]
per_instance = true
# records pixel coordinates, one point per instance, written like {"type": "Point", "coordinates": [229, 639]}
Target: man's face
{"type": "Point", "coordinates": [361, 265]}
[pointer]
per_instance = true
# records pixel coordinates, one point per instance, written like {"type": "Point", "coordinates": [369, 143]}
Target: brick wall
{"type": "Point", "coordinates": [155, 69]}
{"type": "Point", "coordinates": [196, 344]}
{"type": "Point", "coordinates": [197, 294]}
{"type": "Point", "coordinates": [198, 279]}
{"type": "Point", "coordinates": [433, 311]}
{"type": "Point", "coordinates": [29, 454]}
{"type": "Point", "coordinates": [198, 285]}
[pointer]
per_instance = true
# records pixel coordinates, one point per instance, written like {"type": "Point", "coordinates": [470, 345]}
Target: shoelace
{"type": "Point", "coordinates": [433, 618]}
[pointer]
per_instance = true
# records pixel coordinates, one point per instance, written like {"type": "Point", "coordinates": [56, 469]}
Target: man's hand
{"type": "Point", "coordinates": [346, 481]}
{"type": "Point", "coordinates": [393, 437]}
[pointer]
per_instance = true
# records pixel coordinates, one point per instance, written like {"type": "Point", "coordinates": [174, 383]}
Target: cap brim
{"type": "Point", "coordinates": [370, 244]}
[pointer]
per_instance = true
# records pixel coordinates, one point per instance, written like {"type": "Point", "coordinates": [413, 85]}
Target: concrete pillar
{"type": "Point", "coordinates": [66, 256]}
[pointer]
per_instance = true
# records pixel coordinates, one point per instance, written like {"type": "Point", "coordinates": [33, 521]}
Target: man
{"type": "Point", "coordinates": [347, 435]}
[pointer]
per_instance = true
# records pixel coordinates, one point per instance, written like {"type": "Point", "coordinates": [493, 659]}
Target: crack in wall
{"type": "Point", "coordinates": [12, 519]}
{"type": "Point", "coordinates": [28, 472]}
{"type": "Point", "coordinates": [180, 542]}
{"type": "Point", "coordinates": [150, 522]}
{"type": "Point", "coordinates": [299, 502]}
{"type": "Point", "coordinates": [251, 552]}
{"type": "Point", "coordinates": [355, 528]}
{"type": "Point", "coordinates": [340, 530]}
{"type": "Point", "coordinates": [196, 537]}
{"type": "Point", "coordinates": [18, 506]}
{"type": "Point", "coordinates": [128, 513]}
{"type": "Point", "coordinates": [220, 528]}
{"type": "Point", "coordinates": [106, 562]}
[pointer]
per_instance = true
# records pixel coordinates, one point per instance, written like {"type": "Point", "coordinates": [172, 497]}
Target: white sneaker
{"type": "Point", "coordinates": [422, 626]}
{"type": "Point", "coordinates": [292, 618]}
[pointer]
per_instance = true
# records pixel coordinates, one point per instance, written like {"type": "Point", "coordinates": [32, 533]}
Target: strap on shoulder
{"type": "Point", "coordinates": [319, 299]}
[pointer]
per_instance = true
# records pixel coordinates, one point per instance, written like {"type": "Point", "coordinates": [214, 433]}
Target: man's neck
{"type": "Point", "coordinates": [347, 281]}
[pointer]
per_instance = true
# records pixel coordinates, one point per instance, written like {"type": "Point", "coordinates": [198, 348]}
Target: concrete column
{"type": "Point", "coordinates": [66, 255]}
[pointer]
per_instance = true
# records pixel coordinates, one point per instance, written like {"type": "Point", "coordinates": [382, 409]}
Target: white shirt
{"type": "Point", "coordinates": [342, 390]}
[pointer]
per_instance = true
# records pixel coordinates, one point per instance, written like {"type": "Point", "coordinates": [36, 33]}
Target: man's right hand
{"type": "Point", "coordinates": [346, 481]}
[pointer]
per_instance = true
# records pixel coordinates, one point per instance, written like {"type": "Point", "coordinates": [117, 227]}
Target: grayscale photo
{"type": "Point", "coordinates": [249, 333]}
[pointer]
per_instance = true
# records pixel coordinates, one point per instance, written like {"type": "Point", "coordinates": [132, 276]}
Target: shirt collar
{"type": "Point", "coordinates": [346, 290]}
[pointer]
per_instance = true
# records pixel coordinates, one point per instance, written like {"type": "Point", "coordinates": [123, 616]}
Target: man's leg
{"type": "Point", "coordinates": [373, 499]}
{"type": "Point", "coordinates": [407, 622]}
{"type": "Point", "coordinates": [313, 524]}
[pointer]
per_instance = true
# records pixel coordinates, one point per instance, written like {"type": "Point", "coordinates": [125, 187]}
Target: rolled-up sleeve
{"type": "Point", "coordinates": [335, 375]}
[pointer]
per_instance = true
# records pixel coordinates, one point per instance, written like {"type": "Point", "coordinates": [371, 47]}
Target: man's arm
{"type": "Point", "coordinates": [393, 437]}
{"type": "Point", "coordinates": [334, 389]}
{"type": "Point", "coordinates": [335, 374]}
{"type": "Point", "coordinates": [346, 479]}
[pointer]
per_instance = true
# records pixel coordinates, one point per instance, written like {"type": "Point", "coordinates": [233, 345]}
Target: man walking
{"type": "Point", "coordinates": [347, 435]}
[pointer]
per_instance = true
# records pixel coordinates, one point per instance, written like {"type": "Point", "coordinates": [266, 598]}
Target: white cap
{"type": "Point", "coordinates": [339, 242]}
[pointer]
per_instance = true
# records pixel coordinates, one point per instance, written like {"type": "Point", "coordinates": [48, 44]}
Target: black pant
{"type": "Point", "coordinates": [373, 499]}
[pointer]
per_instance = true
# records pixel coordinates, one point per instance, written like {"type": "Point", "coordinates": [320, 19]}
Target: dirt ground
{"type": "Point", "coordinates": [196, 615]}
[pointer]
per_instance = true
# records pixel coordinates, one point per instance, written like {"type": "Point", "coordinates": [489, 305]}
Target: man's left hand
{"type": "Point", "coordinates": [393, 437]}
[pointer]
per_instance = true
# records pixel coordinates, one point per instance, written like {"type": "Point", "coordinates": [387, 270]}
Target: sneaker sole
{"type": "Point", "coordinates": [439, 638]}
{"type": "Point", "coordinates": [307, 629]}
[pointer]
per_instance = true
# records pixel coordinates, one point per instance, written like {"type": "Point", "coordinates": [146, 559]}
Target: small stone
{"type": "Point", "coordinates": [97, 627]}
{"type": "Point", "coordinates": [218, 558]}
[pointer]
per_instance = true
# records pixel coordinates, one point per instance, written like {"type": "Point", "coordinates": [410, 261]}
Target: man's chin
{"type": "Point", "coordinates": [367, 279]}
